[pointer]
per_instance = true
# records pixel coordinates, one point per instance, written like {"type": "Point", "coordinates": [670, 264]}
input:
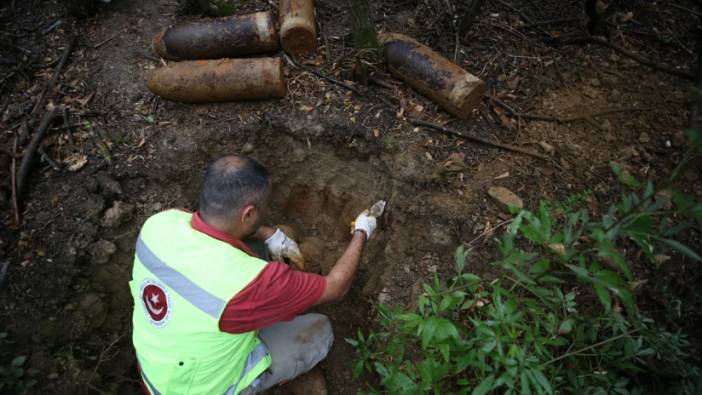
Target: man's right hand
{"type": "Point", "coordinates": [366, 223]}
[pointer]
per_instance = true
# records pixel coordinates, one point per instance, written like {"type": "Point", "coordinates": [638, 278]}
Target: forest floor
{"type": "Point", "coordinates": [65, 303]}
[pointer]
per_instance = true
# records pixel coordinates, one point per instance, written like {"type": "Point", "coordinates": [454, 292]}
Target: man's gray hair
{"type": "Point", "coordinates": [231, 183]}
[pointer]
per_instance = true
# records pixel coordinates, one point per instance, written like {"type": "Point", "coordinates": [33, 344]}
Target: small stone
{"type": "Point", "coordinates": [115, 215]}
{"type": "Point", "coordinates": [102, 250]}
{"type": "Point", "coordinates": [157, 207]}
{"type": "Point", "coordinates": [247, 148]}
{"type": "Point", "coordinates": [384, 296]}
{"type": "Point", "coordinates": [644, 138]}
{"type": "Point", "coordinates": [548, 148]}
{"type": "Point", "coordinates": [505, 198]}
{"type": "Point", "coordinates": [606, 125]}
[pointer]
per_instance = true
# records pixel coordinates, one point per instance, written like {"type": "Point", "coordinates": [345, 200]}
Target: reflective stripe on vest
{"type": "Point", "coordinates": [198, 297]}
{"type": "Point", "coordinates": [150, 386]}
{"type": "Point", "coordinates": [254, 358]}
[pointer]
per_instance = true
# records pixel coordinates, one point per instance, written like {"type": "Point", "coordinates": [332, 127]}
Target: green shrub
{"type": "Point", "coordinates": [560, 316]}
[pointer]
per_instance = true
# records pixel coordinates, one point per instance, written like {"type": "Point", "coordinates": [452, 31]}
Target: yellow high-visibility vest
{"type": "Point", "coordinates": [181, 282]}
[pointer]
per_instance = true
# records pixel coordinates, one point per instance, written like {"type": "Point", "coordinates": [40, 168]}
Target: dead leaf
{"type": "Point", "coordinates": [626, 17]}
{"type": "Point", "coordinates": [75, 162]}
{"type": "Point", "coordinates": [557, 248]}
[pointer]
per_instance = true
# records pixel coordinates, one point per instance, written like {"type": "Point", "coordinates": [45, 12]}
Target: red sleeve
{"type": "Point", "coordinates": [277, 294]}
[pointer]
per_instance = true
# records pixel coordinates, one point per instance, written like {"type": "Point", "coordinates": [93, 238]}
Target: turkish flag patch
{"type": "Point", "coordinates": [157, 302]}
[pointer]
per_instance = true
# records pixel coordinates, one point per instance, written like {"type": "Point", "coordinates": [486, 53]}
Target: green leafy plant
{"type": "Point", "coordinates": [560, 316]}
{"type": "Point", "coordinates": [14, 378]}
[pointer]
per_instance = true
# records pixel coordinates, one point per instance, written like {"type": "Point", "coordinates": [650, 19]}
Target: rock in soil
{"type": "Point", "coordinates": [505, 198]}
{"type": "Point", "coordinates": [92, 306]}
{"type": "Point", "coordinates": [310, 383]}
{"type": "Point", "coordinates": [384, 296]}
{"type": "Point", "coordinates": [115, 215]}
{"type": "Point", "coordinates": [102, 250]}
{"type": "Point", "coordinates": [91, 207]}
{"type": "Point", "coordinates": [110, 188]}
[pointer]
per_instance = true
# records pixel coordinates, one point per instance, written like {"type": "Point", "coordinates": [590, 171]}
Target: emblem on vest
{"type": "Point", "coordinates": [157, 302]}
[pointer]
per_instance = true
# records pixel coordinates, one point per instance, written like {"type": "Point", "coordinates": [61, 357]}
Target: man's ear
{"type": "Point", "coordinates": [248, 213]}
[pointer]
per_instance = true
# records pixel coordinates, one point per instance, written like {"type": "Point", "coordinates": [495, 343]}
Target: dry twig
{"type": "Point", "coordinates": [454, 132]}
{"type": "Point", "coordinates": [13, 171]}
{"type": "Point", "coordinates": [57, 71]}
{"type": "Point", "coordinates": [631, 55]}
{"type": "Point", "coordinates": [102, 358]}
{"type": "Point", "coordinates": [28, 154]}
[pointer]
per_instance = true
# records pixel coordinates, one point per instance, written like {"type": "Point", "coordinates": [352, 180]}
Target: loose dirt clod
{"type": "Point", "coordinates": [434, 76]}
{"type": "Point", "coordinates": [102, 250]}
{"type": "Point", "coordinates": [312, 249]}
{"type": "Point", "coordinates": [228, 37]}
{"type": "Point", "coordinates": [505, 198]}
{"type": "Point", "coordinates": [115, 215]}
{"type": "Point", "coordinates": [203, 81]}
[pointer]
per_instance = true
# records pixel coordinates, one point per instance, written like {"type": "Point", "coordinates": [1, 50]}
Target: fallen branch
{"type": "Point", "coordinates": [548, 118]}
{"type": "Point", "coordinates": [602, 343]}
{"type": "Point", "coordinates": [101, 43]}
{"type": "Point", "coordinates": [693, 12]}
{"type": "Point", "coordinates": [13, 175]}
{"type": "Point", "coordinates": [549, 22]}
{"type": "Point", "coordinates": [28, 153]}
{"type": "Point", "coordinates": [631, 55]}
{"type": "Point", "coordinates": [454, 132]}
{"type": "Point", "coordinates": [57, 71]}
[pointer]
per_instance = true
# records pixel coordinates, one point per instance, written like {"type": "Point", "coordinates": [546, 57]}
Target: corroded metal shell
{"type": "Point", "coordinates": [432, 75]}
{"type": "Point", "coordinates": [220, 80]}
{"type": "Point", "coordinates": [298, 34]}
{"type": "Point", "coordinates": [219, 38]}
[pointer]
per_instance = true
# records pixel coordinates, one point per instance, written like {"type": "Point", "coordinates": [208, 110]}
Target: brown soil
{"type": "Point", "coordinates": [65, 303]}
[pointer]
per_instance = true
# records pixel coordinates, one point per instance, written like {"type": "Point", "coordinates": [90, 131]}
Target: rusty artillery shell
{"type": "Point", "coordinates": [203, 81]}
{"type": "Point", "coordinates": [298, 34]}
{"type": "Point", "coordinates": [219, 38]}
{"type": "Point", "coordinates": [432, 75]}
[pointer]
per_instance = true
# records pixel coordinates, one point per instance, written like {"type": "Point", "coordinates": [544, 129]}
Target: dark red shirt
{"type": "Point", "coordinates": [278, 293]}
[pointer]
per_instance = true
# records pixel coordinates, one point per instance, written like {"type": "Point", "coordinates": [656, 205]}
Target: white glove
{"type": "Point", "coordinates": [282, 247]}
{"type": "Point", "coordinates": [366, 223]}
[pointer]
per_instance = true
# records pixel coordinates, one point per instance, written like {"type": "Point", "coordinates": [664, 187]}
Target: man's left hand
{"type": "Point", "coordinates": [285, 249]}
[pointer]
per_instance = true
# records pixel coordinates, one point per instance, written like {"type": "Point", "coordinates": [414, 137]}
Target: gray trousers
{"type": "Point", "coordinates": [295, 347]}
